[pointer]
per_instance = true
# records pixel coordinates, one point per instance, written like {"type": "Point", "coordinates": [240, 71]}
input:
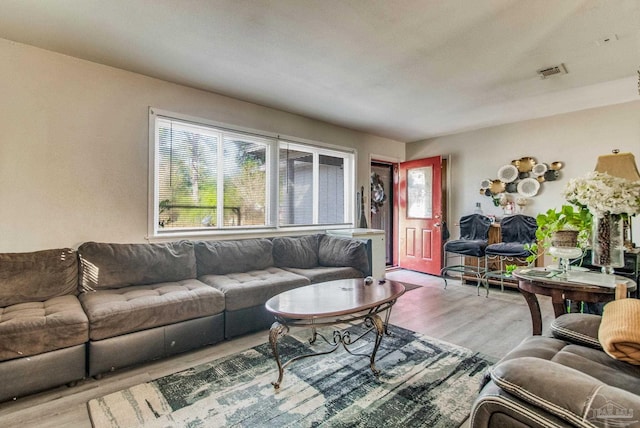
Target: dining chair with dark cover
{"type": "Point", "coordinates": [474, 236]}
{"type": "Point", "coordinates": [518, 232]}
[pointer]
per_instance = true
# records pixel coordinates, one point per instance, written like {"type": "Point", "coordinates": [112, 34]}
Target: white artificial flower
{"type": "Point", "coordinates": [602, 193]}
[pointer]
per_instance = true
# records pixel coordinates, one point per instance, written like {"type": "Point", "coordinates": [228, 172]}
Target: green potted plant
{"type": "Point", "coordinates": [569, 226]}
{"type": "Point", "coordinates": [555, 226]}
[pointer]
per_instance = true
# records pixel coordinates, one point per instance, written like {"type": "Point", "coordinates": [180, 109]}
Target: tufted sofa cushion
{"type": "Point", "coordinates": [33, 328]}
{"type": "Point", "coordinates": [37, 276]}
{"type": "Point", "coordinates": [105, 266]}
{"type": "Point", "coordinates": [126, 310]}
{"type": "Point", "coordinates": [296, 252]}
{"type": "Point", "coordinates": [248, 289]}
{"type": "Point", "coordinates": [336, 252]}
{"type": "Point", "coordinates": [223, 257]}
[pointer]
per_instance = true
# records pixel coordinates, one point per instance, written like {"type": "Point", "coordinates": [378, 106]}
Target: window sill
{"type": "Point", "coordinates": [222, 234]}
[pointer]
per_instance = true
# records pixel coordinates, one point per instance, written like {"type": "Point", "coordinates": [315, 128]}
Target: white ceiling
{"type": "Point", "coordinates": [403, 69]}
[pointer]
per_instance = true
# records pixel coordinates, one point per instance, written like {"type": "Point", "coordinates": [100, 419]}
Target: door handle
{"type": "Point", "coordinates": [436, 225]}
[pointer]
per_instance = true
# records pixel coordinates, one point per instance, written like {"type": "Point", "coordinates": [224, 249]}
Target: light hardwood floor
{"type": "Point", "coordinates": [491, 325]}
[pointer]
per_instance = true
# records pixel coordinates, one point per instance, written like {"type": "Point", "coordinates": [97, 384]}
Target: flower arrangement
{"type": "Point", "coordinates": [603, 193]}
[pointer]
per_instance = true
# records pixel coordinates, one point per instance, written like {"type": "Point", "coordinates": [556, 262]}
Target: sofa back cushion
{"type": "Point", "coordinates": [336, 251]}
{"type": "Point", "coordinates": [37, 276]}
{"type": "Point", "coordinates": [296, 252]}
{"type": "Point", "coordinates": [104, 266]}
{"type": "Point", "coordinates": [223, 257]}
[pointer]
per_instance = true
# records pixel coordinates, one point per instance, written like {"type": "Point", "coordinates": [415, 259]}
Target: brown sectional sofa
{"type": "Point", "coordinates": [65, 314]}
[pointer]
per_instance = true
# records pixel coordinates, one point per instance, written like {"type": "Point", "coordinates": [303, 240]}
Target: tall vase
{"type": "Point", "coordinates": [608, 242]}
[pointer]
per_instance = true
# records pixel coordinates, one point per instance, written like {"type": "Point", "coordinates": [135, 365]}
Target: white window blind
{"type": "Point", "coordinates": [209, 178]}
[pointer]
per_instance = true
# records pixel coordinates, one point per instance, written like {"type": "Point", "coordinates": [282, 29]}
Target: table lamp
{"type": "Point", "coordinates": [618, 164]}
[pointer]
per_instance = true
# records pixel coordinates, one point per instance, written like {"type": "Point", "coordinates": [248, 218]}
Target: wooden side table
{"type": "Point", "coordinates": [534, 281]}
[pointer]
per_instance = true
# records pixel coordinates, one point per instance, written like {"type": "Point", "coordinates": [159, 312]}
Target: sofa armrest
{"type": "Point", "coordinates": [369, 247]}
{"type": "Point", "coordinates": [581, 329]}
{"type": "Point", "coordinates": [564, 392]}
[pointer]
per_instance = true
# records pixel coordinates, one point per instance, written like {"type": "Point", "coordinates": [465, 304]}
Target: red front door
{"type": "Point", "coordinates": [420, 215]}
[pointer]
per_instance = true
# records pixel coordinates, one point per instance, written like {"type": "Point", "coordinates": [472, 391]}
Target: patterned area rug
{"type": "Point", "coordinates": [409, 287]}
{"type": "Point", "coordinates": [424, 382]}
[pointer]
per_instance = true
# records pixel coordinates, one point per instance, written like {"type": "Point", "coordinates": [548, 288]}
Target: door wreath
{"type": "Point", "coordinates": [378, 196]}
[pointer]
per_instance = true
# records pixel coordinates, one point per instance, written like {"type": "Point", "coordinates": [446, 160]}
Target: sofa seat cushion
{"type": "Point", "coordinates": [253, 288]}
{"type": "Point", "coordinates": [324, 273]}
{"type": "Point", "coordinates": [33, 328]}
{"type": "Point", "coordinates": [125, 310]}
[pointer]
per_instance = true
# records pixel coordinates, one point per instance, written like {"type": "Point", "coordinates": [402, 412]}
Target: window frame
{"type": "Point", "coordinates": [275, 143]}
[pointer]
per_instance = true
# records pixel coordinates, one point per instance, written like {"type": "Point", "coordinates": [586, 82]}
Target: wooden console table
{"type": "Point", "coordinates": [533, 281]}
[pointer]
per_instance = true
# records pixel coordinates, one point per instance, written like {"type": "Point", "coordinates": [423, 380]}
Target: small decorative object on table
{"type": "Point", "coordinates": [608, 242]}
{"type": "Point", "coordinates": [565, 254]}
{"type": "Point", "coordinates": [521, 203]}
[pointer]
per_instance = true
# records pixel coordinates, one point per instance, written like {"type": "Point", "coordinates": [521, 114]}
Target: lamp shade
{"type": "Point", "coordinates": [621, 165]}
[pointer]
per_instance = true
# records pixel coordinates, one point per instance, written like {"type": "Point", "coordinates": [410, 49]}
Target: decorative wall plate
{"type": "Point", "coordinates": [507, 173]}
{"type": "Point", "coordinates": [526, 164]}
{"type": "Point", "coordinates": [551, 175]}
{"type": "Point", "coordinates": [539, 169]}
{"type": "Point", "coordinates": [497, 186]}
{"type": "Point", "coordinates": [556, 166]}
{"type": "Point", "coordinates": [485, 184]}
{"type": "Point", "coordinates": [528, 187]}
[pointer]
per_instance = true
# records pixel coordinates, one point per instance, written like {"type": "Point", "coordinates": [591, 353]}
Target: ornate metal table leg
{"type": "Point", "coordinates": [314, 334]}
{"type": "Point", "coordinates": [277, 330]}
{"type": "Point", "coordinates": [380, 331]}
{"type": "Point", "coordinates": [386, 318]}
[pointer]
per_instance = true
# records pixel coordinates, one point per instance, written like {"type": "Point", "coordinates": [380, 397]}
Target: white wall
{"type": "Point", "coordinates": [576, 139]}
{"type": "Point", "coordinates": [74, 145]}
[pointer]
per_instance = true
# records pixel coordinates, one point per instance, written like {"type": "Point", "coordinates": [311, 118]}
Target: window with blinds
{"type": "Point", "coordinates": [208, 178]}
{"type": "Point", "coordinates": [312, 186]}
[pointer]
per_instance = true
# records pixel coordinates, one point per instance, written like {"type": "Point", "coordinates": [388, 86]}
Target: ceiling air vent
{"type": "Point", "coordinates": [556, 70]}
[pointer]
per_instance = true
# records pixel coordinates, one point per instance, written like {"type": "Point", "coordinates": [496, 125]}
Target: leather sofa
{"type": "Point", "coordinates": [66, 314]}
{"type": "Point", "coordinates": [562, 381]}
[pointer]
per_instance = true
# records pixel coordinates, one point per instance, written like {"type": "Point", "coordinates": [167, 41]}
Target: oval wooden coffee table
{"type": "Point", "coordinates": [330, 304]}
